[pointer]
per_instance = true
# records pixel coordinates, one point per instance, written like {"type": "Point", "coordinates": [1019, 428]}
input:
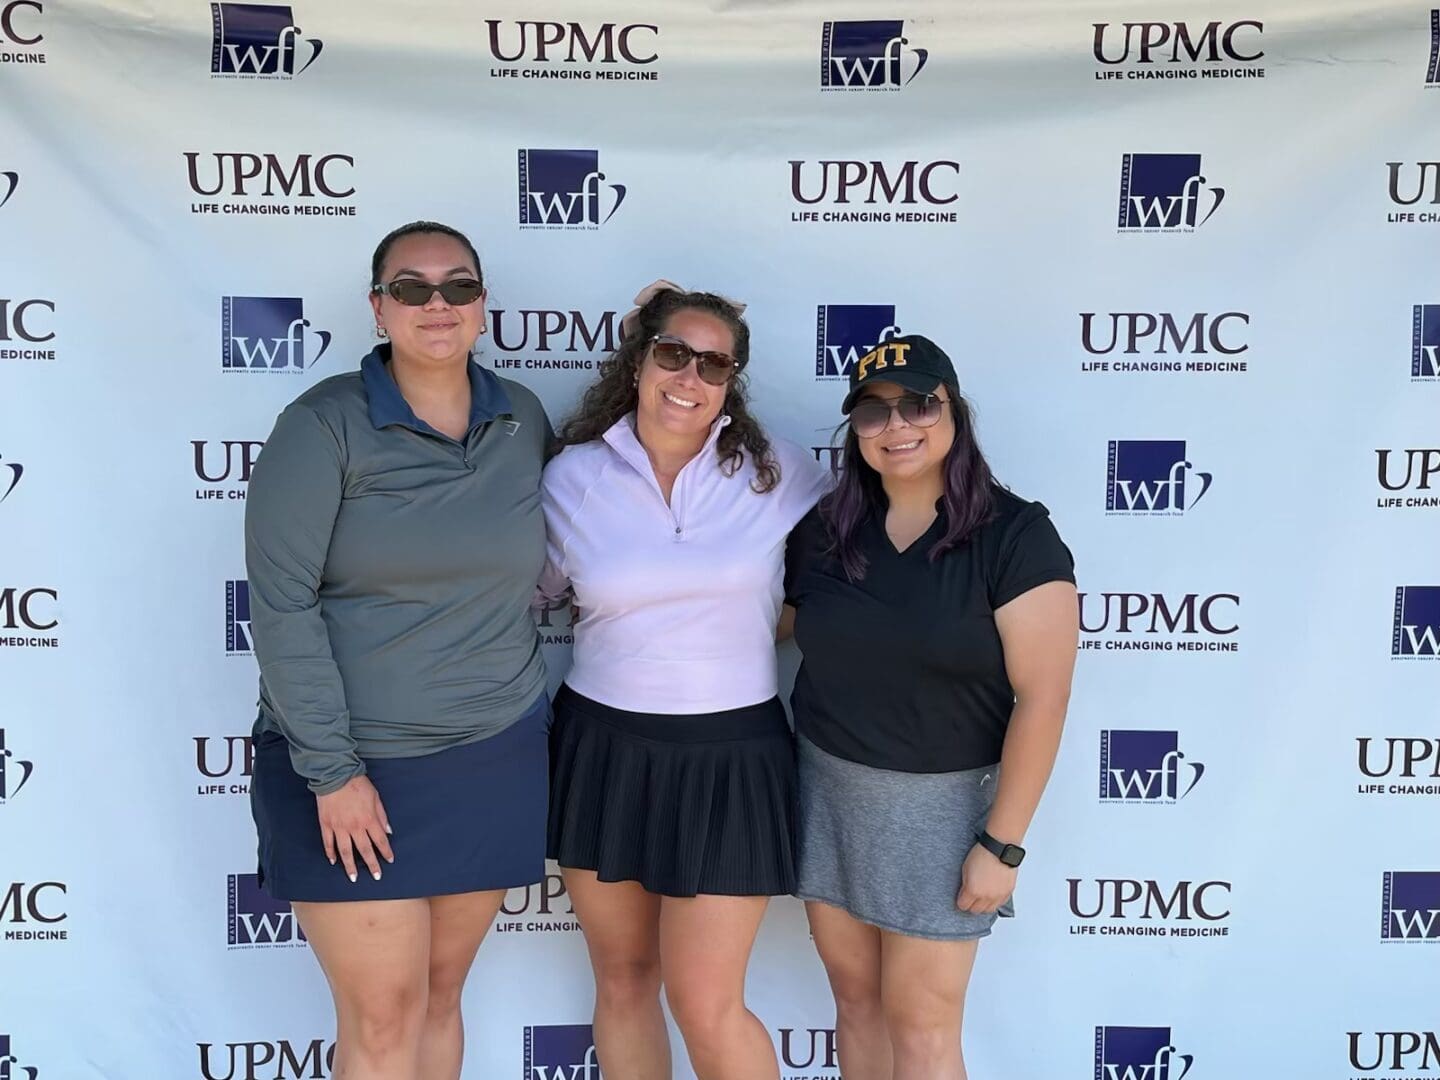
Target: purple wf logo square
{"type": "Point", "coordinates": [1148, 476]}
{"type": "Point", "coordinates": [1410, 907]}
{"type": "Point", "coordinates": [867, 55]}
{"type": "Point", "coordinates": [10, 1067]}
{"type": "Point", "coordinates": [266, 333]}
{"type": "Point", "coordinates": [563, 188]}
{"type": "Point", "coordinates": [237, 618]}
{"type": "Point", "coordinates": [13, 772]}
{"type": "Point", "coordinates": [1432, 74]}
{"type": "Point", "coordinates": [846, 332]}
{"type": "Point", "coordinates": [1145, 766]}
{"type": "Point", "coordinates": [561, 1052]}
{"type": "Point", "coordinates": [1138, 1053]}
{"type": "Point", "coordinates": [1165, 192]}
{"type": "Point", "coordinates": [258, 41]}
{"type": "Point", "coordinates": [256, 918]}
{"type": "Point", "coordinates": [1425, 343]}
{"type": "Point", "coordinates": [1416, 630]}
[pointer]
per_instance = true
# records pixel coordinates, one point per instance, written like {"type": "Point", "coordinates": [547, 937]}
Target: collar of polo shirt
{"type": "Point", "coordinates": [488, 399]}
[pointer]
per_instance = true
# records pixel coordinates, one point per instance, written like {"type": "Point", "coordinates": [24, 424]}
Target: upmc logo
{"type": "Point", "coordinates": [846, 332]}
{"type": "Point", "coordinates": [235, 755]}
{"type": "Point", "coordinates": [237, 618]}
{"type": "Point", "coordinates": [573, 43]}
{"type": "Point", "coordinates": [257, 919]}
{"type": "Point", "coordinates": [1395, 1051]}
{"type": "Point", "coordinates": [323, 179]}
{"type": "Point", "coordinates": [538, 330]}
{"type": "Point", "coordinates": [1130, 907]}
{"type": "Point", "coordinates": [809, 1048]}
{"type": "Point", "coordinates": [11, 1068]}
{"type": "Point", "coordinates": [1410, 906]}
{"type": "Point", "coordinates": [1425, 343]}
{"type": "Point", "coordinates": [267, 333]}
{"type": "Point", "coordinates": [41, 904]}
{"type": "Point", "coordinates": [29, 611]}
{"type": "Point", "coordinates": [870, 182]}
{"type": "Point", "coordinates": [1164, 333]}
{"type": "Point", "coordinates": [26, 322]}
{"type": "Point", "coordinates": [1139, 1053]}
{"type": "Point", "coordinates": [14, 773]}
{"type": "Point", "coordinates": [228, 462]}
{"type": "Point", "coordinates": [1412, 471]}
{"type": "Point", "coordinates": [258, 41]}
{"type": "Point", "coordinates": [1165, 193]}
{"type": "Point", "coordinates": [1426, 184]}
{"type": "Point", "coordinates": [279, 1060]}
{"type": "Point", "coordinates": [561, 1052]}
{"type": "Point", "coordinates": [1145, 766]}
{"type": "Point", "coordinates": [1415, 632]}
{"type": "Point", "coordinates": [868, 56]}
{"type": "Point", "coordinates": [565, 189]}
{"type": "Point", "coordinates": [1149, 476]}
{"type": "Point", "coordinates": [1155, 622]}
{"type": "Point", "coordinates": [1144, 43]}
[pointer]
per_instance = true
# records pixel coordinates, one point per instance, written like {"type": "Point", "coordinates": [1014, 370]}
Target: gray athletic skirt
{"type": "Point", "coordinates": [887, 847]}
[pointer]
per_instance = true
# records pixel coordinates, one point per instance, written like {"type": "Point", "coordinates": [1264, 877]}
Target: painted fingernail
{"type": "Point", "coordinates": [353, 879]}
{"type": "Point", "coordinates": [389, 830]}
{"type": "Point", "coordinates": [376, 875]}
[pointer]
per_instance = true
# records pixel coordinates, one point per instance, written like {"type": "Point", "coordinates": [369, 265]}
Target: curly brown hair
{"type": "Point", "coordinates": [613, 395]}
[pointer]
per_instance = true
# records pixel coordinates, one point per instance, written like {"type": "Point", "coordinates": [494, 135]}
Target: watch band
{"type": "Point", "coordinates": [1011, 855]}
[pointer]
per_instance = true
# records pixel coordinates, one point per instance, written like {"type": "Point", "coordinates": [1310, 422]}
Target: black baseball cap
{"type": "Point", "coordinates": [912, 361]}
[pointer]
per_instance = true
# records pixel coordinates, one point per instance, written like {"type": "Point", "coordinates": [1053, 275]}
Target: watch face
{"type": "Point", "coordinates": [1012, 855]}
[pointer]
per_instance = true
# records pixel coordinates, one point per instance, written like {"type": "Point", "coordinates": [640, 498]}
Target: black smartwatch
{"type": "Point", "coordinates": [1011, 855]}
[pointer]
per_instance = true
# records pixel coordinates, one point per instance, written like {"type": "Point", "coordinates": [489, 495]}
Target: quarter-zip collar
{"type": "Point", "coordinates": [622, 439]}
{"type": "Point", "coordinates": [387, 405]}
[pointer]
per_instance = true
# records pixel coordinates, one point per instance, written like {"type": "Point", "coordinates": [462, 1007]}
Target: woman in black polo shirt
{"type": "Point", "coordinates": [938, 620]}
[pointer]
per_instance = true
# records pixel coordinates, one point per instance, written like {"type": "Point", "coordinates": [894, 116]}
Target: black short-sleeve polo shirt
{"type": "Point", "coordinates": [904, 669]}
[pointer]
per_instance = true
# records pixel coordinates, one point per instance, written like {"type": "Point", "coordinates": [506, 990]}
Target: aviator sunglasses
{"type": "Point", "coordinates": [412, 292]}
{"type": "Point", "coordinates": [672, 354]}
{"type": "Point", "coordinates": [871, 416]}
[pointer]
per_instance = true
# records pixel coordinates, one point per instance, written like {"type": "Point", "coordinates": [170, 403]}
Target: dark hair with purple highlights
{"type": "Point", "coordinates": [969, 493]}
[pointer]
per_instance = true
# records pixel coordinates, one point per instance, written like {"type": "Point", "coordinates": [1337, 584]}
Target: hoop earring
{"type": "Point", "coordinates": [381, 332]}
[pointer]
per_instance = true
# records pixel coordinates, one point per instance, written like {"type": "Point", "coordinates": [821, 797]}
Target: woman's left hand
{"type": "Point", "coordinates": [985, 882]}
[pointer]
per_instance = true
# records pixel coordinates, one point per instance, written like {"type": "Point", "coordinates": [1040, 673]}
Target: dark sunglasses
{"type": "Point", "coordinates": [412, 292]}
{"type": "Point", "coordinates": [672, 354]}
{"type": "Point", "coordinates": [871, 416]}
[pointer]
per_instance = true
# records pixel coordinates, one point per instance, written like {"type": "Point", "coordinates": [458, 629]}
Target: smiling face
{"type": "Point", "coordinates": [903, 451]}
{"type": "Point", "coordinates": [680, 402]}
{"type": "Point", "coordinates": [436, 332]}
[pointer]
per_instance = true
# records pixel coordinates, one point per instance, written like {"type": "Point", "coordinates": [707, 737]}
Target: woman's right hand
{"type": "Point", "coordinates": [352, 820]}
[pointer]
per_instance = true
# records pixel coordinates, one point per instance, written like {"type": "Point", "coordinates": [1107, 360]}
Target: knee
{"type": "Point", "coordinates": [443, 1001]}
{"type": "Point", "coordinates": [922, 1030]}
{"type": "Point", "coordinates": [702, 1013]}
{"type": "Point", "coordinates": [857, 995]}
{"type": "Point", "coordinates": [628, 982]}
{"type": "Point", "coordinates": [387, 1025]}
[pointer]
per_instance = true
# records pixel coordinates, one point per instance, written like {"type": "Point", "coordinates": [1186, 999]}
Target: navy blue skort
{"type": "Point", "coordinates": [467, 819]}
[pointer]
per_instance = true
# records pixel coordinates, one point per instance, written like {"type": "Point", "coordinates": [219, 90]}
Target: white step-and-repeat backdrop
{"type": "Point", "coordinates": [1187, 259]}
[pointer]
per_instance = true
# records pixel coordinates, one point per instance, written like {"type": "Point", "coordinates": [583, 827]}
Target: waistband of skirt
{"type": "Point", "coordinates": [749, 722]}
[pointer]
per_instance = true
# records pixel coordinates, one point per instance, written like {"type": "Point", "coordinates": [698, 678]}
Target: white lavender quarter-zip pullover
{"type": "Point", "coordinates": [678, 603]}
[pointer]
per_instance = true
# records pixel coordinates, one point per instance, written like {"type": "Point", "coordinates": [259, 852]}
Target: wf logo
{"type": "Point", "coordinates": [561, 1052]}
{"type": "Point", "coordinates": [257, 919]}
{"type": "Point", "coordinates": [1416, 629]}
{"type": "Point", "coordinates": [258, 41]}
{"type": "Point", "coordinates": [565, 188]}
{"type": "Point", "coordinates": [1165, 192]}
{"type": "Point", "coordinates": [1425, 343]}
{"type": "Point", "coordinates": [266, 333]}
{"type": "Point", "coordinates": [10, 1066]}
{"type": "Point", "coordinates": [14, 773]}
{"type": "Point", "coordinates": [1432, 74]}
{"type": "Point", "coordinates": [1138, 1053]}
{"type": "Point", "coordinates": [1410, 906]}
{"type": "Point", "coordinates": [868, 56]}
{"type": "Point", "coordinates": [1144, 766]}
{"type": "Point", "coordinates": [846, 332]}
{"type": "Point", "coordinates": [237, 618]}
{"type": "Point", "coordinates": [10, 475]}
{"type": "Point", "coordinates": [1148, 476]}
{"type": "Point", "coordinates": [9, 181]}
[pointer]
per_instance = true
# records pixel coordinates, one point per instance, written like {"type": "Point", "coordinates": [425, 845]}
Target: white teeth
{"type": "Point", "coordinates": [682, 402]}
{"type": "Point", "coordinates": [904, 446]}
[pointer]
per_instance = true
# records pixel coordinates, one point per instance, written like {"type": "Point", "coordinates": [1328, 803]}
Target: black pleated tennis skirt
{"type": "Point", "coordinates": [686, 805]}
